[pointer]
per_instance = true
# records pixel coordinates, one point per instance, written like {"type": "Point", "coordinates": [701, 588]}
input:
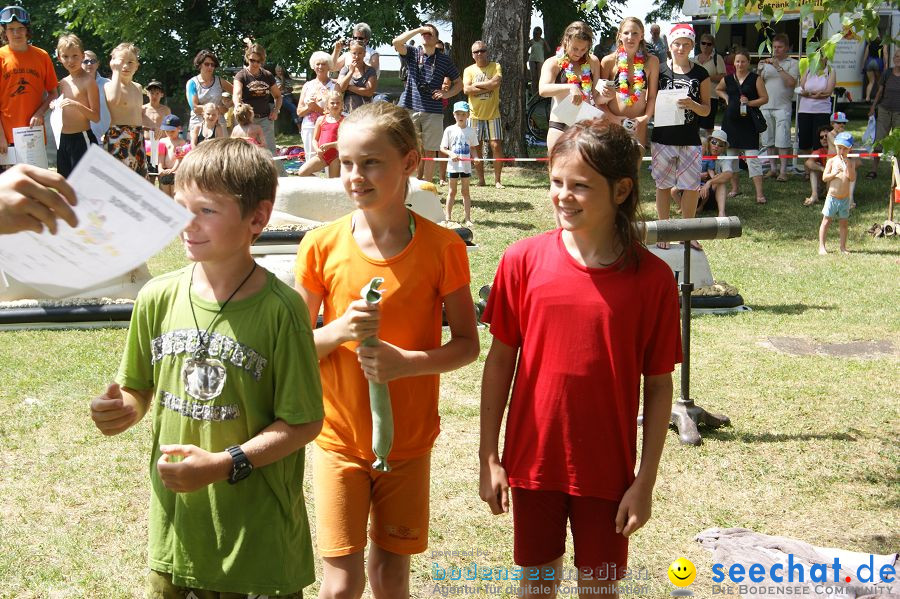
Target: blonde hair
{"type": "Point", "coordinates": [244, 114]}
{"type": "Point", "coordinates": [211, 107]}
{"type": "Point", "coordinates": [126, 47]}
{"type": "Point", "coordinates": [232, 167]}
{"type": "Point", "coordinates": [335, 95]}
{"type": "Point", "coordinates": [577, 30]}
{"type": "Point", "coordinates": [642, 46]}
{"type": "Point", "coordinates": [392, 123]}
{"type": "Point", "coordinates": [69, 40]}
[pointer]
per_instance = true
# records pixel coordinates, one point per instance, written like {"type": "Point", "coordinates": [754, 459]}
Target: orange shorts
{"type": "Point", "coordinates": [350, 497]}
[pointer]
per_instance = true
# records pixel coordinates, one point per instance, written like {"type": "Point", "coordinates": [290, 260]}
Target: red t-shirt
{"type": "Point", "coordinates": [586, 336]}
{"type": "Point", "coordinates": [822, 154]}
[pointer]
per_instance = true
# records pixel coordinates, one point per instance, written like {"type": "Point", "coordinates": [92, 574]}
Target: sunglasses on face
{"type": "Point", "coordinates": [706, 43]}
{"type": "Point", "coordinates": [482, 51]}
{"type": "Point", "coordinates": [716, 142]}
{"type": "Point", "coordinates": [11, 13]}
{"type": "Point", "coordinates": [89, 61]}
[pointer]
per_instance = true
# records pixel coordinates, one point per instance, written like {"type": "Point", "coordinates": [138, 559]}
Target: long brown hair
{"type": "Point", "coordinates": [614, 153]}
{"type": "Point", "coordinates": [578, 30]}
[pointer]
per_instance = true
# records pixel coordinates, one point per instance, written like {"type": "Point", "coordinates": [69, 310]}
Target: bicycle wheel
{"type": "Point", "coordinates": [538, 118]}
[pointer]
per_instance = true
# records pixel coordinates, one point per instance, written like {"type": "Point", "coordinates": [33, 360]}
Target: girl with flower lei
{"type": "Point", "coordinates": [571, 72]}
{"type": "Point", "coordinates": [634, 72]}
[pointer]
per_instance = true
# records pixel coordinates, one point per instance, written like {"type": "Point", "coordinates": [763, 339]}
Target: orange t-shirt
{"type": "Point", "coordinates": [433, 265]}
{"type": "Point", "coordinates": [24, 77]}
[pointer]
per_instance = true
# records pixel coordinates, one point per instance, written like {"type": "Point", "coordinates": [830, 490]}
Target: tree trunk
{"type": "Point", "coordinates": [557, 16]}
{"type": "Point", "coordinates": [467, 17]}
{"type": "Point", "coordinates": [504, 36]}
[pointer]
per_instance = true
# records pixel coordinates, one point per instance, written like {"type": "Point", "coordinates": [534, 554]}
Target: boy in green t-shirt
{"type": "Point", "coordinates": [226, 352]}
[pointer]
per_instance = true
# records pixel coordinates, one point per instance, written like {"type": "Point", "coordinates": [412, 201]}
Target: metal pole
{"type": "Point", "coordinates": [686, 288]}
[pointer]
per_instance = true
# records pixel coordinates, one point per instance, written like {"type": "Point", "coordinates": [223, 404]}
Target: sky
{"type": "Point", "coordinates": [637, 8]}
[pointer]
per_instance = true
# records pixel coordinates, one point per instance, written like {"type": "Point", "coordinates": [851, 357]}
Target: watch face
{"type": "Point", "coordinates": [241, 471]}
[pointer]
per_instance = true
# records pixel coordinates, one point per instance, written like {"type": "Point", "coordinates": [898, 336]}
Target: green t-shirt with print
{"type": "Point", "coordinates": [251, 537]}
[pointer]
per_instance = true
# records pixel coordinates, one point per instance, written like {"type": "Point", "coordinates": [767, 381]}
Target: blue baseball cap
{"type": "Point", "coordinates": [461, 106]}
{"type": "Point", "coordinates": [843, 139]}
{"type": "Point", "coordinates": [170, 123]}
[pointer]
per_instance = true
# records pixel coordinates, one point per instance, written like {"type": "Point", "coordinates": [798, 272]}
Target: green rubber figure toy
{"type": "Point", "coordinates": [379, 396]}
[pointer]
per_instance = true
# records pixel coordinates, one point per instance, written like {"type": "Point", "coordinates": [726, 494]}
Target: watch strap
{"type": "Point", "coordinates": [241, 466]}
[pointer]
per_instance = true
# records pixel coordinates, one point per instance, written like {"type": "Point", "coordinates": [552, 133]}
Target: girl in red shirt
{"type": "Point", "coordinates": [580, 316]}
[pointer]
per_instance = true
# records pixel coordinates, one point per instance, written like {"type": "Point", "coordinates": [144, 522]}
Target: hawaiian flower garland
{"type": "Point", "coordinates": [639, 80]}
{"type": "Point", "coordinates": [587, 84]}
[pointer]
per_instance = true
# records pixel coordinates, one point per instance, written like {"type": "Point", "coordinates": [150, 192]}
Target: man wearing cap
{"type": "Point", "coordinates": [780, 73]}
{"type": "Point", "coordinates": [27, 79]}
{"type": "Point", "coordinates": [424, 87]}
{"type": "Point", "coordinates": [481, 83]}
{"type": "Point", "coordinates": [154, 111]}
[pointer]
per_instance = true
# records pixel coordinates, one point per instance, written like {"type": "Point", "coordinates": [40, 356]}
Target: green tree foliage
{"type": "Point", "coordinates": [859, 16]}
{"type": "Point", "coordinates": [603, 18]}
{"type": "Point", "coordinates": [171, 32]}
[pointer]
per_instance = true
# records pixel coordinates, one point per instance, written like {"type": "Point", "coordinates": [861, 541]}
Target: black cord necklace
{"type": "Point", "coordinates": [204, 377]}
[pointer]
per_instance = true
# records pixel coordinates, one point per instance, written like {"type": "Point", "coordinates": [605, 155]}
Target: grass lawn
{"type": "Point", "coordinates": [811, 453]}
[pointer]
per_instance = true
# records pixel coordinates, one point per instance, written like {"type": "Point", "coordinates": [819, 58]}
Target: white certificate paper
{"type": "Point", "coordinates": [30, 145]}
{"type": "Point", "coordinates": [122, 221]}
{"type": "Point", "coordinates": [667, 113]}
{"type": "Point", "coordinates": [56, 124]}
{"type": "Point", "coordinates": [570, 114]}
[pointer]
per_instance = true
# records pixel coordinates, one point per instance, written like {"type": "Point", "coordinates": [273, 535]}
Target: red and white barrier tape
{"type": "Point", "coordinates": [647, 158]}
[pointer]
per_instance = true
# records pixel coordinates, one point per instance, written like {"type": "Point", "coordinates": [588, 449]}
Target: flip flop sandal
{"type": "Point", "coordinates": [761, 200]}
{"type": "Point", "coordinates": [734, 194]}
{"type": "Point", "coordinates": [809, 201]}
{"type": "Point", "coordinates": [871, 175]}
{"type": "Point", "coordinates": [782, 179]}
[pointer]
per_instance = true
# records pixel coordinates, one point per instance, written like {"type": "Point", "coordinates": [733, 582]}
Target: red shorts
{"type": "Point", "coordinates": [539, 523]}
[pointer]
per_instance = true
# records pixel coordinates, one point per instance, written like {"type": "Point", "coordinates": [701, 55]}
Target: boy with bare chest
{"type": "Point", "coordinates": [155, 111]}
{"type": "Point", "coordinates": [125, 138]}
{"type": "Point", "coordinates": [79, 99]}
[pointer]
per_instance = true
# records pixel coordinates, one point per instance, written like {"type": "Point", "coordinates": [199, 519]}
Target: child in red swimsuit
{"type": "Point", "coordinates": [325, 135]}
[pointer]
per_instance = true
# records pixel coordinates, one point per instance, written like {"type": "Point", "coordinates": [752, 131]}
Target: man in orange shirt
{"type": "Point", "coordinates": [27, 79]}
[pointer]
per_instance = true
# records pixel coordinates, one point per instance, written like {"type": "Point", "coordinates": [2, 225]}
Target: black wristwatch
{"type": "Point", "coordinates": [241, 466]}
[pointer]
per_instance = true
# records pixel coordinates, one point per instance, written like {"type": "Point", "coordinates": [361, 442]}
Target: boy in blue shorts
{"type": "Point", "coordinates": [839, 174]}
{"type": "Point", "coordinates": [221, 354]}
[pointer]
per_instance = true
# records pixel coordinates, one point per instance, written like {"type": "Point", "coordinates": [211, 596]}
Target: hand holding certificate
{"type": "Point", "coordinates": [667, 112]}
{"type": "Point", "coordinates": [123, 221]}
{"type": "Point", "coordinates": [570, 114]}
